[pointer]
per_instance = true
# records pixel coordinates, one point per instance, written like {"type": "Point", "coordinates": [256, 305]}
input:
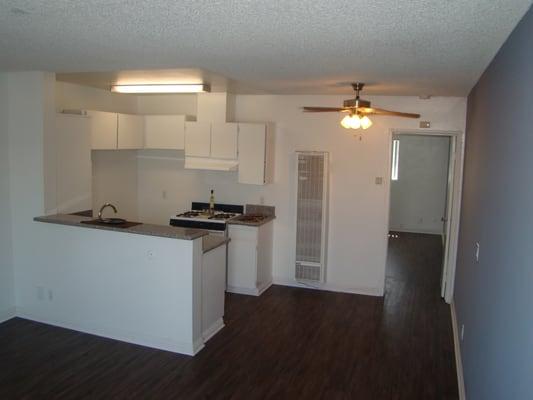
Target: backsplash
{"type": "Point", "coordinates": [258, 209]}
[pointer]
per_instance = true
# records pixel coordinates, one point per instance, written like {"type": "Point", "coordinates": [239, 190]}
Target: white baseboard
{"type": "Point", "coordinates": [249, 291]}
{"type": "Point", "coordinates": [7, 313]}
{"type": "Point", "coordinates": [458, 358]}
{"type": "Point", "coordinates": [261, 289]}
{"type": "Point", "coordinates": [423, 231]}
{"type": "Point", "coordinates": [119, 334]}
{"type": "Point", "coordinates": [331, 287]}
{"type": "Point", "coordinates": [213, 329]}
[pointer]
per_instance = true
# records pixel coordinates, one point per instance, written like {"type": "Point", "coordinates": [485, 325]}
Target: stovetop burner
{"type": "Point", "coordinates": [190, 214]}
{"type": "Point", "coordinates": [222, 216]}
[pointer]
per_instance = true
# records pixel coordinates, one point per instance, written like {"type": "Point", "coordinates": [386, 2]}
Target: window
{"type": "Point", "coordinates": [395, 159]}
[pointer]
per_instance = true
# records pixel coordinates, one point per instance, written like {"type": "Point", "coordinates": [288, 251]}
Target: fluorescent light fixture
{"type": "Point", "coordinates": [162, 88]}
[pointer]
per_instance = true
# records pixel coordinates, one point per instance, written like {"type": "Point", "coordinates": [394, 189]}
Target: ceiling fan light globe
{"type": "Point", "coordinates": [365, 122]}
{"type": "Point", "coordinates": [345, 123]}
{"type": "Point", "coordinates": [355, 122]}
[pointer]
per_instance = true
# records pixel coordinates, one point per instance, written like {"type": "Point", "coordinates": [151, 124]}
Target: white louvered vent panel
{"type": "Point", "coordinates": [311, 215]}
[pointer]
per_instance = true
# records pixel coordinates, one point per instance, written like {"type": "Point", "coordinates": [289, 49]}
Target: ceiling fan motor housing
{"type": "Point", "coordinates": [356, 103]}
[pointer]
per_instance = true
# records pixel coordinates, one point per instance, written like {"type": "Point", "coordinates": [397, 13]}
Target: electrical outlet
{"type": "Point", "coordinates": [50, 295]}
{"type": "Point", "coordinates": [262, 200]}
{"type": "Point", "coordinates": [476, 251]}
{"type": "Point", "coordinates": [164, 194]}
{"type": "Point", "coordinates": [462, 332]}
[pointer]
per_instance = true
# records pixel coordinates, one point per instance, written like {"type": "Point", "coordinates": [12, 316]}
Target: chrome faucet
{"type": "Point", "coordinates": [104, 207]}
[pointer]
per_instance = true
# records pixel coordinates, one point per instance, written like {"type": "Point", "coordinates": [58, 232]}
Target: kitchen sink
{"type": "Point", "coordinates": [115, 222]}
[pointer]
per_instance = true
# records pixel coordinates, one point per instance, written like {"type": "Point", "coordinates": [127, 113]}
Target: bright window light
{"type": "Point", "coordinates": [395, 159]}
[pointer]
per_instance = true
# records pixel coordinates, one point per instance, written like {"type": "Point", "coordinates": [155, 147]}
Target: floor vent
{"type": "Point", "coordinates": [311, 216]}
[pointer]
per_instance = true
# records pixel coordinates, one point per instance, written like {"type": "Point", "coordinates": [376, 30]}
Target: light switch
{"type": "Point", "coordinates": [379, 180]}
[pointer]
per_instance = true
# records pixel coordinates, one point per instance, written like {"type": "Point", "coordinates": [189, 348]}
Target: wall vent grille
{"type": "Point", "coordinates": [311, 215]}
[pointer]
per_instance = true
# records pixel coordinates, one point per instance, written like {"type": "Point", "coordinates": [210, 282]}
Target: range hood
{"type": "Point", "coordinates": [212, 164]}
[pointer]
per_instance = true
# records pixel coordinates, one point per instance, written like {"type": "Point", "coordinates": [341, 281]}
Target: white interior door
{"type": "Point", "coordinates": [447, 216]}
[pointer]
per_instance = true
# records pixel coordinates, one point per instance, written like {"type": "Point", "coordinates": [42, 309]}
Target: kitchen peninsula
{"type": "Point", "coordinates": [147, 284]}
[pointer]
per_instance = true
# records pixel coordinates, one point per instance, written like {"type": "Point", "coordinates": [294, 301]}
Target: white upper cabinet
{"type": "Point", "coordinates": [224, 140]}
{"type": "Point", "coordinates": [198, 139]}
{"type": "Point", "coordinates": [130, 131]}
{"type": "Point", "coordinates": [164, 132]}
{"type": "Point", "coordinates": [255, 154]}
{"type": "Point", "coordinates": [103, 128]}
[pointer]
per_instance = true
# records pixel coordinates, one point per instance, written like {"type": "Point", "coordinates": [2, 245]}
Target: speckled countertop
{"type": "Point", "coordinates": [269, 212]}
{"type": "Point", "coordinates": [211, 242]}
{"type": "Point", "coordinates": [165, 231]}
{"type": "Point", "coordinates": [248, 223]}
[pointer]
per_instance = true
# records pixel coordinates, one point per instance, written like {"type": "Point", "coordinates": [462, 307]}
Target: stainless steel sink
{"type": "Point", "coordinates": [114, 222]}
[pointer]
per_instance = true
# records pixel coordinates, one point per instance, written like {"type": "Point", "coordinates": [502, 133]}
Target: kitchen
{"type": "Point", "coordinates": [195, 200]}
{"type": "Point", "coordinates": [89, 194]}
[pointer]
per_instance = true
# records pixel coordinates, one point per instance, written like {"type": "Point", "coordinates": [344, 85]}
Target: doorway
{"type": "Point", "coordinates": [424, 199]}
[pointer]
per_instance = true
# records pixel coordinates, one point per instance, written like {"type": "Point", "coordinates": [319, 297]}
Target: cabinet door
{"type": "Point", "coordinates": [198, 139]}
{"type": "Point", "coordinates": [242, 259]}
{"type": "Point", "coordinates": [224, 140]}
{"type": "Point", "coordinates": [103, 127]}
{"type": "Point", "coordinates": [252, 153]}
{"type": "Point", "coordinates": [164, 132]}
{"type": "Point", "coordinates": [130, 131]}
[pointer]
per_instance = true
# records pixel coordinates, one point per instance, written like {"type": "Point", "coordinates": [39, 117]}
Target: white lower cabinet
{"type": "Point", "coordinates": [213, 287]}
{"type": "Point", "coordinates": [250, 259]}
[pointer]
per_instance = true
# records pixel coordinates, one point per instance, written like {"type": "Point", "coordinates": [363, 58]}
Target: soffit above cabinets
{"type": "Point", "coordinates": [104, 80]}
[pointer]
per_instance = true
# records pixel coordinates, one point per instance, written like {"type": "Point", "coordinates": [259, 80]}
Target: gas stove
{"type": "Point", "coordinates": [201, 218]}
{"type": "Point", "coordinates": [205, 214]}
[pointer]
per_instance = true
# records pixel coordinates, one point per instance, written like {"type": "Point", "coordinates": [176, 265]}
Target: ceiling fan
{"type": "Point", "coordinates": [358, 111]}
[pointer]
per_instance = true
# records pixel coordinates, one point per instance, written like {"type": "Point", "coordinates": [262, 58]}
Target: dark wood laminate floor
{"type": "Point", "coordinates": [288, 344]}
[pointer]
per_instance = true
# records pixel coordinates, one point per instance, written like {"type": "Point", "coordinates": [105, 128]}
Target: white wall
{"type": "Point", "coordinates": [184, 104]}
{"type": "Point", "coordinates": [102, 282]}
{"type": "Point", "coordinates": [7, 281]}
{"type": "Point", "coordinates": [115, 181]}
{"type": "Point", "coordinates": [30, 113]}
{"type": "Point", "coordinates": [114, 172]}
{"type": "Point", "coordinates": [418, 197]}
{"type": "Point", "coordinates": [358, 207]}
{"type": "Point", "coordinates": [71, 96]}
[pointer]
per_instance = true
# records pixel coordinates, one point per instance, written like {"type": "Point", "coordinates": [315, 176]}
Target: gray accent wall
{"type": "Point", "coordinates": [494, 296]}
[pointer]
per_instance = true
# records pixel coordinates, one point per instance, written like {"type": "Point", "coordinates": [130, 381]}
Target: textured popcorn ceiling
{"type": "Point", "coordinates": [409, 47]}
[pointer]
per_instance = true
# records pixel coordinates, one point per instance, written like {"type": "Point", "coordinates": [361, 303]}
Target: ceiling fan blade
{"type": "Point", "coordinates": [381, 111]}
{"type": "Point", "coordinates": [325, 109]}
